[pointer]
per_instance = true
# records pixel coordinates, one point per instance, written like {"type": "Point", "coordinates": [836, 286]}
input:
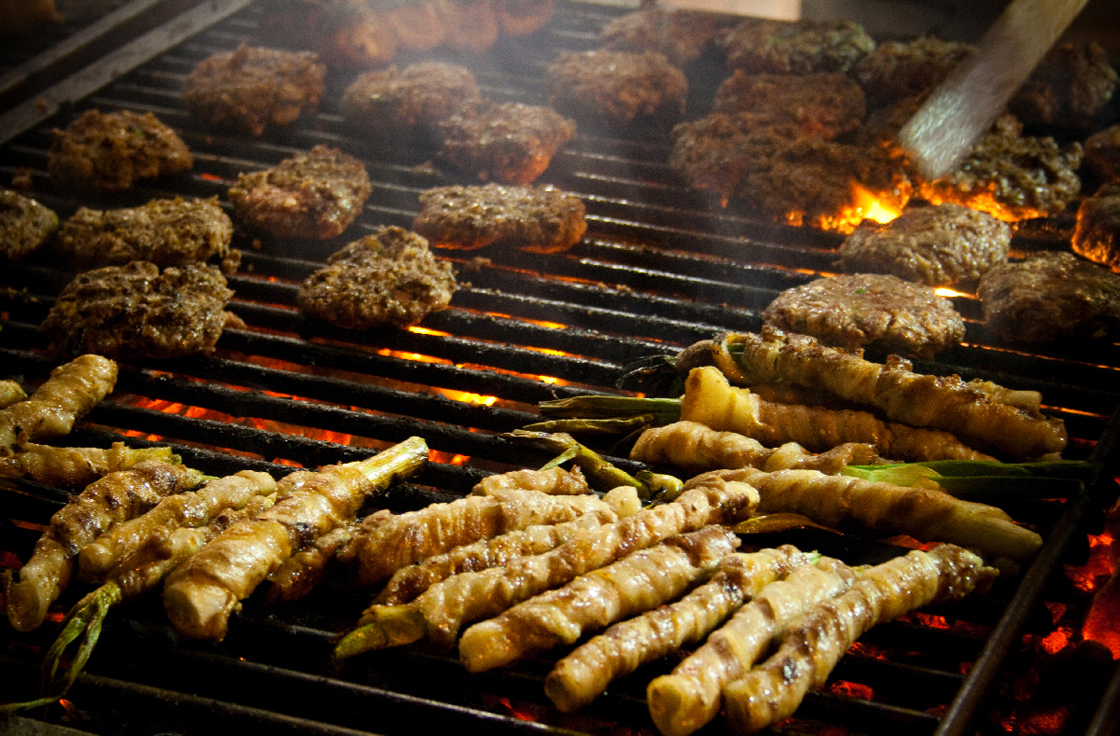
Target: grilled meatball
{"type": "Point", "coordinates": [825, 104]}
{"type": "Point", "coordinates": [878, 312]}
{"type": "Point", "coordinates": [24, 225]}
{"type": "Point", "coordinates": [1012, 176]}
{"type": "Point", "coordinates": [112, 151]}
{"type": "Point", "coordinates": [1102, 153]}
{"type": "Point", "coordinates": [510, 142]}
{"type": "Point", "coordinates": [542, 218]}
{"type": "Point", "coordinates": [392, 105]}
{"type": "Point", "coordinates": [253, 87]}
{"type": "Point", "coordinates": [1097, 235]}
{"type": "Point", "coordinates": [796, 47]}
{"type": "Point", "coordinates": [387, 278]}
{"type": "Point", "coordinates": [1068, 89]}
{"type": "Point", "coordinates": [166, 232]}
{"type": "Point", "coordinates": [310, 195]}
{"type": "Point", "coordinates": [615, 88]}
{"type": "Point", "coordinates": [681, 34]}
{"type": "Point", "coordinates": [138, 310]}
{"type": "Point", "coordinates": [1051, 296]}
{"type": "Point", "coordinates": [938, 245]}
{"type": "Point", "coordinates": [896, 70]}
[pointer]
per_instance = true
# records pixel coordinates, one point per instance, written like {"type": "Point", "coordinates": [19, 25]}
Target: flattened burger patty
{"type": "Point", "coordinates": [25, 225]}
{"type": "Point", "coordinates": [895, 70]}
{"type": "Point", "coordinates": [938, 245]}
{"type": "Point", "coordinates": [1102, 153]}
{"type": "Point", "coordinates": [254, 87]}
{"type": "Point", "coordinates": [310, 195]}
{"type": "Point", "coordinates": [112, 151]}
{"type": "Point", "coordinates": [796, 47]}
{"type": "Point", "coordinates": [615, 88]}
{"type": "Point", "coordinates": [541, 217]}
{"type": "Point", "coordinates": [510, 142]}
{"type": "Point", "coordinates": [1068, 89]}
{"type": "Point", "coordinates": [166, 232]}
{"type": "Point", "coordinates": [389, 277]}
{"type": "Point", "coordinates": [681, 34]}
{"type": "Point", "coordinates": [412, 103]}
{"type": "Point", "coordinates": [878, 312]}
{"type": "Point", "coordinates": [1050, 296]}
{"type": "Point", "coordinates": [1097, 235]}
{"type": "Point", "coordinates": [825, 104]}
{"type": "Point", "coordinates": [136, 309]}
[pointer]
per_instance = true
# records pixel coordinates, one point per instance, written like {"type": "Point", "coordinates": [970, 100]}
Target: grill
{"type": "Point", "coordinates": [660, 268]}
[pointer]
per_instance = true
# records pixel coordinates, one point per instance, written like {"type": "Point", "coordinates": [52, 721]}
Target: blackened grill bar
{"type": "Point", "coordinates": [656, 272]}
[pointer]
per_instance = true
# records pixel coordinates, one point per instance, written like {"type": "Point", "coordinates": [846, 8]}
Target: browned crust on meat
{"type": "Point", "coordinates": [896, 70]}
{"type": "Point", "coordinates": [1097, 235]}
{"type": "Point", "coordinates": [796, 47]}
{"type": "Point", "coordinates": [681, 34]}
{"type": "Point", "coordinates": [389, 103]}
{"type": "Point", "coordinates": [1068, 89]}
{"type": "Point", "coordinates": [824, 104]}
{"type": "Point", "coordinates": [25, 225]}
{"type": "Point", "coordinates": [512, 142]}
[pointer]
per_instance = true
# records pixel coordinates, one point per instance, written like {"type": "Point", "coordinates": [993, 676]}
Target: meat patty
{"type": "Point", "coordinates": [1068, 89]}
{"type": "Point", "coordinates": [879, 312]}
{"type": "Point", "coordinates": [510, 142]}
{"type": "Point", "coordinates": [1053, 295]}
{"type": "Point", "coordinates": [410, 104]}
{"type": "Point", "coordinates": [940, 245]}
{"type": "Point", "coordinates": [138, 310]}
{"type": "Point", "coordinates": [796, 47]}
{"type": "Point", "coordinates": [25, 225]}
{"type": "Point", "coordinates": [389, 277]}
{"type": "Point", "coordinates": [253, 87]}
{"type": "Point", "coordinates": [824, 104]}
{"type": "Point", "coordinates": [112, 151]}
{"type": "Point", "coordinates": [615, 88]}
{"type": "Point", "coordinates": [681, 34]}
{"type": "Point", "coordinates": [542, 218]}
{"type": "Point", "coordinates": [1102, 153]}
{"type": "Point", "coordinates": [1012, 176]}
{"type": "Point", "coordinates": [166, 232]}
{"type": "Point", "coordinates": [1097, 235]}
{"type": "Point", "coordinates": [310, 195]}
{"type": "Point", "coordinates": [895, 70]}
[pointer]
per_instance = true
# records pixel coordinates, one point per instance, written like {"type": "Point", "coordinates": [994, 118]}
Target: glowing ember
{"type": "Point", "coordinates": [865, 205]}
{"type": "Point", "coordinates": [1056, 640]}
{"type": "Point", "coordinates": [983, 201]}
{"type": "Point", "coordinates": [851, 690]}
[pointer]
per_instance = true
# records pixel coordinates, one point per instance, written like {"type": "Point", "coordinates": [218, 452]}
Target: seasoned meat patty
{"type": "Point", "coordinates": [1051, 296]}
{"type": "Point", "coordinates": [138, 310]}
{"type": "Point", "coordinates": [615, 88]}
{"type": "Point", "coordinates": [940, 245]}
{"type": "Point", "coordinates": [681, 34]}
{"type": "Point", "coordinates": [310, 195]}
{"type": "Point", "coordinates": [1068, 89]}
{"type": "Point", "coordinates": [1102, 153]}
{"type": "Point", "coordinates": [1097, 235]}
{"type": "Point", "coordinates": [825, 104]}
{"type": "Point", "coordinates": [1012, 176]}
{"type": "Point", "coordinates": [510, 142]}
{"type": "Point", "coordinates": [541, 218]}
{"type": "Point", "coordinates": [895, 70]}
{"type": "Point", "coordinates": [112, 151]}
{"type": "Point", "coordinates": [253, 87]}
{"type": "Point", "coordinates": [522, 17]}
{"type": "Point", "coordinates": [796, 47]}
{"type": "Point", "coordinates": [166, 232]}
{"type": "Point", "coordinates": [25, 225]}
{"type": "Point", "coordinates": [410, 104]}
{"type": "Point", "coordinates": [879, 312]}
{"type": "Point", "coordinates": [389, 277]}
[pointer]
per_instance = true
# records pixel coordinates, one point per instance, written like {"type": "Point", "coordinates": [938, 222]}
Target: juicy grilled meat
{"type": "Point", "coordinates": [1097, 236]}
{"type": "Point", "coordinates": [391, 105]}
{"type": "Point", "coordinates": [825, 104]}
{"type": "Point", "coordinates": [510, 142]}
{"type": "Point", "coordinates": [1051, 296]}
{"type": "Point", "coordinates": [313, 195]}
{"type": "Point", "coordinates": [252, 88]}
{"type": "Point", "coordinates": [896, 70]}
{"type": "Point", "coordinates": [113, 151]}
{"type": "Point", "coordinates": [615, 88]}
{"type": "Point", "coordinates": [797, 47]}
{"type": "Point", "coordinates": [387, 278]}
{"type": "Point", "coordinates": [541, 218]}
{"type": "Point", "coordinates": [1068, 89]}
{"type": "Point", "coordinates": [939, 245]}
{"type": "Point", "coordinates": [136, 309]}
{"type": "Point", "coordinates": [681, 34]}
{"type": "Point", "coordinates": [874, 311]}
{"type": "Point", "coordinates": [24, 225]}
{"type": "Point", "coordinates": [166, 232]}
{"type": "Point", "coordinates": [1102, 153]}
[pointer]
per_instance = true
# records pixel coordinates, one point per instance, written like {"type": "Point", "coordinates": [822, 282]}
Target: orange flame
{"type": "Point", "coordinates": [865, 205]}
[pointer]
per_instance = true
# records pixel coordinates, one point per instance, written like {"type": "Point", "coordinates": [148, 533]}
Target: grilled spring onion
{"type": "Point", "coordinates": [983, 479]}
